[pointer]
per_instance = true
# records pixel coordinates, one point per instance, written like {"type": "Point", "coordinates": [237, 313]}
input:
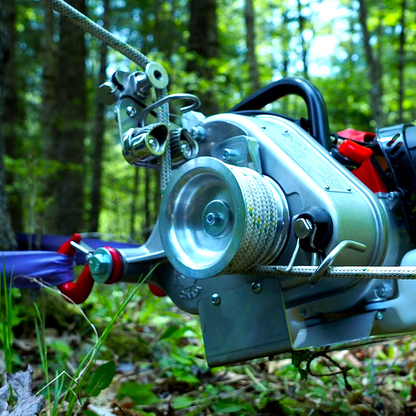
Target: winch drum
{"type": "Point", "coordinates": [220, 219]}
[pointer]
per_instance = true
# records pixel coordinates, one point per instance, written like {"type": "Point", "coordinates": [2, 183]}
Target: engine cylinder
{"type": "Point", "coordinates": [221, 219]}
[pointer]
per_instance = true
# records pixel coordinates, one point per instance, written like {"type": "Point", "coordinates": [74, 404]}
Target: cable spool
{"type": "Point", "coordinates": [221, 219]}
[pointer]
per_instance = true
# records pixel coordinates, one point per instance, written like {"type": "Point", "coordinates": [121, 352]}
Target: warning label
{"type": "Point", "coordinates": [313, 163]}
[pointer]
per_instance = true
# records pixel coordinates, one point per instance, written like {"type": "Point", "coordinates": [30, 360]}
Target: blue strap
{"type": "Point", "coordinates": [53, 268]}
{"type": "Point", "coordinates": [53, 242]}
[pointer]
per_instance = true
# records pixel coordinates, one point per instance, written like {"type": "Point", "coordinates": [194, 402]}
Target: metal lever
{"type": "Point", "coordinates": [293, 258]}
{"type": "Point", "coordinates": [83, 249]}
{"type": "Point", "coordinates": [329, 259]}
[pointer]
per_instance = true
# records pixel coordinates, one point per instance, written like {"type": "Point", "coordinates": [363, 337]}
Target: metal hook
{"type": "Point", "coordinates": [196, 103]}
{"type": "Point", "coordinates": [341, 247]}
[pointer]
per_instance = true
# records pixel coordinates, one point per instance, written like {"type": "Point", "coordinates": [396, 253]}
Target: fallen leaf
{"type": "Point", "coordinates": [27, 404]}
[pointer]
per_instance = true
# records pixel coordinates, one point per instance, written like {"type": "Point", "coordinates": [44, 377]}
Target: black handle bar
{"type": "Point", "coordinates": [317, 113]}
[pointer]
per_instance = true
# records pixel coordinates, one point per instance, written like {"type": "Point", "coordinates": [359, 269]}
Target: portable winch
{"type": "Point", "coordinates": [279, 235]}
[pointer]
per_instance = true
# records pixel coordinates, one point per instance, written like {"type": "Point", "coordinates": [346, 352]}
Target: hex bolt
{"type": "Point", "coordinates": [215, 299]}
{"type": "Point", "coordinates": [303, 228]}
{"type": "Point", "coordinates": [99, 264]}
{"type": "Point", "coordinates": [256, 287]}
{"type": "Point", "coordinates": [379, 316]}
{"type": "Point", "coordinates": [327, 187]}
{"type": "Point", "coordinates": [131, 111]}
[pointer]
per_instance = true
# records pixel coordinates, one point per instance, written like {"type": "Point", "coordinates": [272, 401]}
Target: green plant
{"type": "Point", "coordinates": [6, 318]}
{"type": "Point", "coordinates": [10, 317]}
{"type": "Point", "coordinates": [83, 382]}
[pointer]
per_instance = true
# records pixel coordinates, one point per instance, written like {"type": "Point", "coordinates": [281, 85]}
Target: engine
{"type": "Point", "coordinates": [278, 236]}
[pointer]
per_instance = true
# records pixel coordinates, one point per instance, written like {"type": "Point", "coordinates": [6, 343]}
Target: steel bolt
{"type": "Point", "coordinates": [212, 218]}
{"type": "Point", "coordinates": [131, 111]}
{"type": "Point", "coordinates": [230, 155]}
{"type": "Point", "coordinates": [185, 148]}
{"type": "Point", "coordinates": [303, 228]}
{"type": "Point", "coordinates": [302, 311]}
{"type": "Point", "coordinates": [391, 196]}
{"type": "Point", "coordinates": [349, 189]}
{"type": "Point", "coordinates": [256, 287]}
{"type": "Point", "coordinates": [382, 292]}
{"type": "Point", "coordinates": [226, 154]}
{"type": "Point", "coordinates": [198, 133]}
{"type": "Point", "coordinates": [327, 187]}
{"type": "Point", "coordinates": [215, 299]}
{"type": "Point", "coordinates": [99, 264]}
{"type": "Point", "coordinates": [379, 316]}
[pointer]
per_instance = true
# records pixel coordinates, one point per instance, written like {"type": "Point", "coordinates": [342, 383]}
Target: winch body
{"type": "Point", "coordinates": [258, 210]}
{"type": "Point", "coordinates": [230, 306]}
{"type": "Point", "coordinates": [279, 237]}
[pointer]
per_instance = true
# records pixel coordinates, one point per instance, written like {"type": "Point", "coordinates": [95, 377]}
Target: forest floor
{"type": "Point", "coordinates": [152, 363]}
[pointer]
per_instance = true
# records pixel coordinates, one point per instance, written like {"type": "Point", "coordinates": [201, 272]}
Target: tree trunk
{"type": "Point", "coordinates": [146, 208]}
{"type": "Point", "coordinates": [7, 238]}
{"type": "Point", "coordinates": [402, 59]}
{"type": "Point", "coordinates": [133, 208]}
{"type": "Point", "coordinates": [71, 95]}
{"type": "Point", "coordinates": [374, 66]}
{"type": "Point", "coordinates": [302, 42]}
{"type": "Point", "coordinates": [251, 52]}
{"type": "Point", "coordinates": [204, 42]}
{"type": "Point", "coordinates": [49, 119]}
{"type": "Point", "coordinates": [12, 117]}
{"type": "Point", "coordinates": [285, 45]}
{"type": "Point", "coordinates": [98, 133]}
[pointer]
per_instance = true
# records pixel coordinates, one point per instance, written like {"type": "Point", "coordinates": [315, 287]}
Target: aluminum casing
{"type": "Point", "coordinates": [309, 176]}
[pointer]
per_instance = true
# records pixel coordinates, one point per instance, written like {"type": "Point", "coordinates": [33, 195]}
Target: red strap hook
{"type": "Point", "coordinates": [77, 291]}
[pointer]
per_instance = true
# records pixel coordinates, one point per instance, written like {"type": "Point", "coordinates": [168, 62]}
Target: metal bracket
{"type": "Point", "coordinates": [243, 151]}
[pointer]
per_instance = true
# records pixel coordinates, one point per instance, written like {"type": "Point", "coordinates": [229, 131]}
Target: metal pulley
{"type": "Point", "coordinates": [220, 219]}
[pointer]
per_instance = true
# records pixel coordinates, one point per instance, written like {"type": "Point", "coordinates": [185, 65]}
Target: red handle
{"type": "Point", "coordinates": [77, 291]}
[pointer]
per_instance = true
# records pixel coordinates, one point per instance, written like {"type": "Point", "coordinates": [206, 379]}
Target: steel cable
{"type": "Point", "coordinates": [338, 272]}
{"type": "Point", "coordinates": [87, 25]}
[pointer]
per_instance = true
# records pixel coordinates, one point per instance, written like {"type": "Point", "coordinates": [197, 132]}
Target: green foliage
{"type": "Point", "coordinates": [299, 357]}
{"type": "Point", "coordinates": [11, 315]}
{"type": "Point", "coordinates": [101, 378]}
{"type": "Point", "coordinates": [141, 394]}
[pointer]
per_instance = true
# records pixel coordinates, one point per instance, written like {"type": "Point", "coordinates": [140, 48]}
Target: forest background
{"type": "Point", "coordinates": [61, 169]}
{"type": "Point", "coordinates": [64, 171]}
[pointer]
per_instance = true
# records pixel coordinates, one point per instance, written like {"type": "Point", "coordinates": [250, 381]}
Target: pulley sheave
{"type": "Point", "coordinates": [219, 219]}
